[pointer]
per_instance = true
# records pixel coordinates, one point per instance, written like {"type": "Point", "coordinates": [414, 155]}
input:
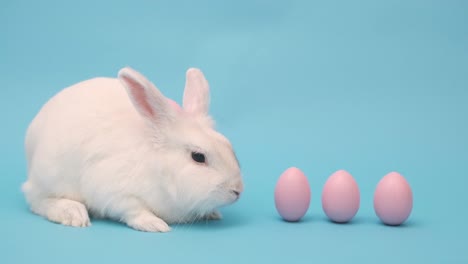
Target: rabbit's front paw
{"type": "Point", "coordinates": [215, 215]}
{"type": "Point", "coordinates": [67, 212]}
{"type": "Point", "coordinates": [148, 222]}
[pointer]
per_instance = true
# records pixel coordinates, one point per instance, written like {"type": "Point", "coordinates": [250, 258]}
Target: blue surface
{"type": "Point", "coordinates": [366, 86]}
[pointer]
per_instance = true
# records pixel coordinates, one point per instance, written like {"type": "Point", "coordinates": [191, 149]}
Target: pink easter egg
{"type": "Point", "coordinates": [393, 199]}
{"type": "Point", "coordinates": [292, 195]}
{"type": "Point", "coordinates": [340, 197]}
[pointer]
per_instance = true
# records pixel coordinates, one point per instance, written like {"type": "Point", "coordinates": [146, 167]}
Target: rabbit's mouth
{"type": "Point", "coordinates": [232, 190]}
{"type": "Point", "coordinates": [232, 196]}
{"type": "Point", "coordinates": [223, 197]}
{"type": "Point", "coordinates": [236, 194]}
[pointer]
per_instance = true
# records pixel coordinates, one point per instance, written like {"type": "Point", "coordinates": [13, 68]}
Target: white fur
{"type": "Point", "coordinates": [117, 149]}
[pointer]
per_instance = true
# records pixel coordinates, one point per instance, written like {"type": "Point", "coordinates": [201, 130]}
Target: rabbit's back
{"type": "Point", "coordinates": [73, 110]}
{"type": "Point", "coordinates": [70, 130]}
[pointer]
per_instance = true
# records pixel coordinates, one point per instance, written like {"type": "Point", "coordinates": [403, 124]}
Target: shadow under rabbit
{"type": "Point", "coordinates": [229, 220]}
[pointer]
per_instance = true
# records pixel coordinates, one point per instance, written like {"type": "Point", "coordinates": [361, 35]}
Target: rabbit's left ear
{"type": "Point", "coordinates": [197, 92]}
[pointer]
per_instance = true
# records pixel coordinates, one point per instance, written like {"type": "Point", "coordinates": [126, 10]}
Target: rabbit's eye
{"type": "Point", "coordinates": [198, 157]}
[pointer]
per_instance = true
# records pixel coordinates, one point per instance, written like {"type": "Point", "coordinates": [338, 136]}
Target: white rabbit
{"type": "Point", "coordinates": [119, 149]}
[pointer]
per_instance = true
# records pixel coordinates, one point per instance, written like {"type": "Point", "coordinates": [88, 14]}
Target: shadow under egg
{"type": "Point", "coordinates": [407, 224]}
{"type": "Point", "coordinates": [352, 222]}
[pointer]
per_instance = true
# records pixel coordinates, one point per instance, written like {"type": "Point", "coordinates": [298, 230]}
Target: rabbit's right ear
{"type": "Point", "coordinates": [146, 98]}
{"type": "Point", "coordinates": [197, 92]}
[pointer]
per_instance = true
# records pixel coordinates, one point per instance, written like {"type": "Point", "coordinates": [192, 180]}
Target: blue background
{"type": "Point", "coordinates": [366, 86]}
